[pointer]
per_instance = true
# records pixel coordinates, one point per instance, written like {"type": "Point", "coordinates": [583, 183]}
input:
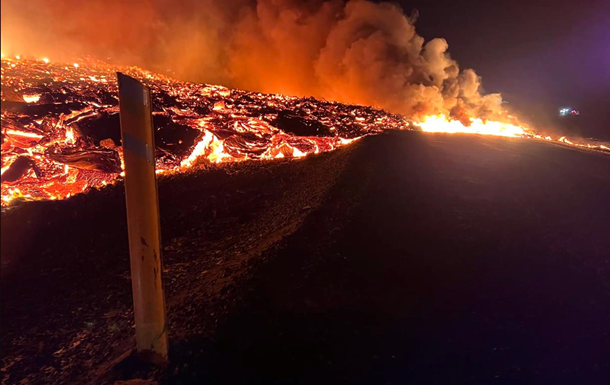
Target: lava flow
{"type": "Point", "coordinates": [61, 131]}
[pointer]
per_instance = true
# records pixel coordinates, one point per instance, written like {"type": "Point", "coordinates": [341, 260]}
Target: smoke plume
{"type": "Point", "coordinates": [352, 51]}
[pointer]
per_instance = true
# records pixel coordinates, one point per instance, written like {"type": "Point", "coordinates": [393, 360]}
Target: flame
{"type": "Point", "coordinates": [440, 123]}
{"type": "Point", "coordinates": [210, 147]}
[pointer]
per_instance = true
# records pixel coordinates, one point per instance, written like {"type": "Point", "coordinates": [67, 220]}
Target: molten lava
{"type": "Point", "coordinates": [61, 132]}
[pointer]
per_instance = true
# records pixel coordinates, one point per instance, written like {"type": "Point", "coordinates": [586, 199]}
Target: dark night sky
{"type": "Point", "coordinates": [541, 55]}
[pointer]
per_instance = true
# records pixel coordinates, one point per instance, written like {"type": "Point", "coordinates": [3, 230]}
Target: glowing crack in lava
{"type": "Point", "coordinates": [61, 132]}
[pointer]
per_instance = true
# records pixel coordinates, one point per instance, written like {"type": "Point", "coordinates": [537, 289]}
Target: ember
{"type": "Point", "coordinates": [61, 133]}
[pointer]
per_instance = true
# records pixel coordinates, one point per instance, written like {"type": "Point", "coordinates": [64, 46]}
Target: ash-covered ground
{"type": "Point", "coordinates": [402, 258]}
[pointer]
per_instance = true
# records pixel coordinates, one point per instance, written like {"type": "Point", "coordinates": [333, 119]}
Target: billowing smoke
{"type": "Point", "coordinates": [355, 52]}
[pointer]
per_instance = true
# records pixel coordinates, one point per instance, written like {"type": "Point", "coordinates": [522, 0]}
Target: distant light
{"type": "Point", "coordinates": [2, 55]}
{"type": "Point", "coordinates": [17, 57]}
{"type": "Point", "coordinates": [46, 60]}
{"type": "Point", "coordinates": [568, 111]}
{"type": "Point", "coordinates": [75, 65]}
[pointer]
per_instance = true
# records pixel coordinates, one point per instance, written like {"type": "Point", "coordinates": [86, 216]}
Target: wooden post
{"type": "Point", "coordinates": [143, 219]}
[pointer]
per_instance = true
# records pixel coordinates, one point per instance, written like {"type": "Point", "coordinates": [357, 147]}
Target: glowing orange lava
{"type": "Point", "coordinates": [61, 136]}
{"type": "Point", "coordinates": [60, 132]}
